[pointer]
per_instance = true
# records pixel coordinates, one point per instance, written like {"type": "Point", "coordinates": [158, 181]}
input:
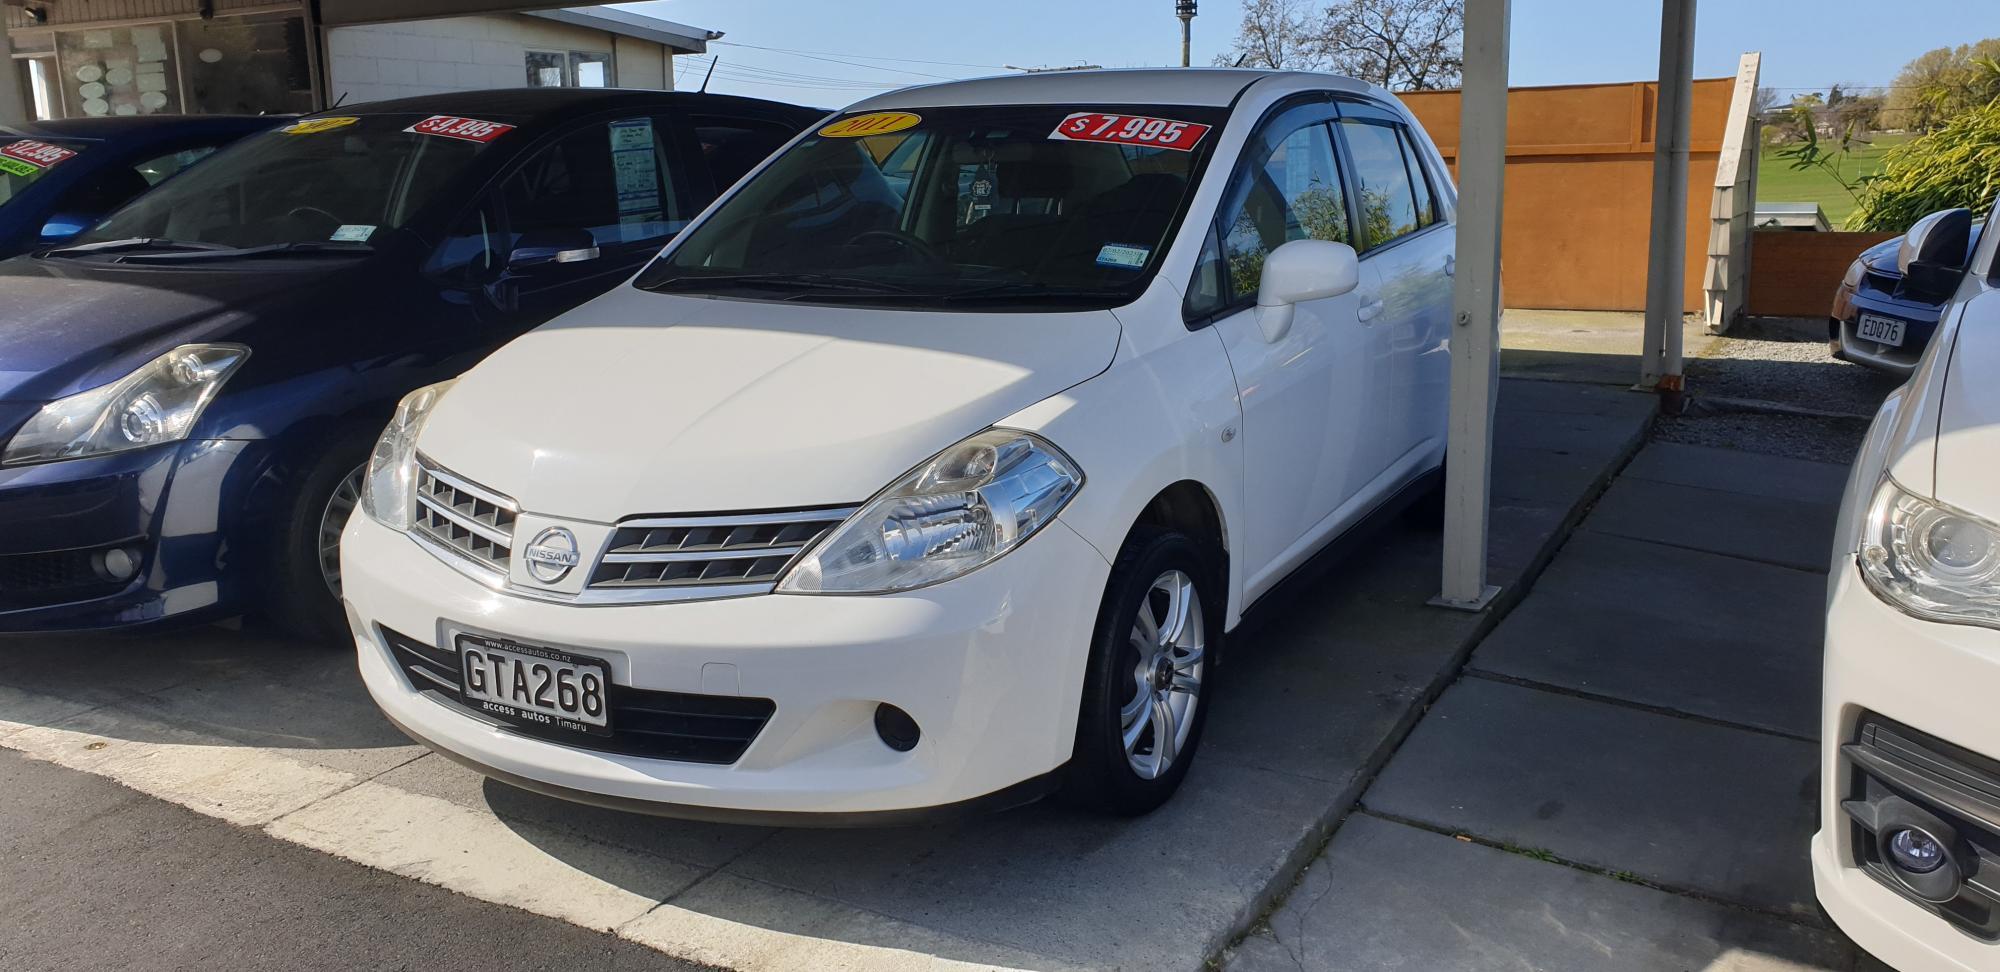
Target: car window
{"type": "Point", "coordinates": [609, 178]}
{"type": "Point", "coordinates": [1388, 201]}
{"type": "Point", "coordinates": [156, 169]}
{"type": "Point", "coordinates": [474, 248]}
{"type": "Point", "coordinates": [731, 147]}
{"type": "Point", "coordinates": [24, 161]}
{"type": "Point", "coordinates": [1288, 188]}
{"type": "Point", "coordinates": [1427, 205]}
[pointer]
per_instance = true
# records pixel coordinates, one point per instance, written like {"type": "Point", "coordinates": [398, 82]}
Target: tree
{"type": "Point", "coordinates": [1940, 84]}
{"type": "Point", "coordinates": [1957, 165]}
{"type": "Point", "coordinates": [1275, 34]}
{"type": "Point", "coordinates": [1408, 45]}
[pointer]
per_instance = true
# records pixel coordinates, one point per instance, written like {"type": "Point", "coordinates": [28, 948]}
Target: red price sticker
{"type": "Point", "coordinates": [41, 155]}
{"type": "Point", "coordinates": [1098, 126]}
{"type": "Point", "coordinates": [467, 129]}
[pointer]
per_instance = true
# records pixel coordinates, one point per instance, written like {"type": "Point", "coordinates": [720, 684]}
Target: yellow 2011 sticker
{"type": "Point", "coordinates": [873, 123]}
{"type": "Point", "coordinates": [313, 125]}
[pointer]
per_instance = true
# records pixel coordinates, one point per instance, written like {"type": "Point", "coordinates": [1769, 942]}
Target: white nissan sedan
{"type": "Point", "coordinates": [1907, 859]}
{"type": "Point", "coordinates": [927, 470]}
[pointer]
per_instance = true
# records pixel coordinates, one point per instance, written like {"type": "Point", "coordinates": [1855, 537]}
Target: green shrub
{"type": "Point", "coordinates": [1957, 165]}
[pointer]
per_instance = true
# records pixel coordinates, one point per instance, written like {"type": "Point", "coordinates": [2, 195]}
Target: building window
{"type": "Point", "coordinates": [568, 69]}
{"type": "Point", "coordinates": [126, 70]}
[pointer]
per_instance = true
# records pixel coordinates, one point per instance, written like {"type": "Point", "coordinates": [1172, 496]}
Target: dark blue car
{"type": "Point", "coordinates": [189, 390]}
{"type": "Point", "coordinates": [1876, 322]}
{"type": "Point", "coordinates": [57, 177]}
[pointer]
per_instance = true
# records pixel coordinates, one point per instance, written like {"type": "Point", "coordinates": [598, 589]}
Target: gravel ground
{"type": "Point", "coordinates": [1743, 387]}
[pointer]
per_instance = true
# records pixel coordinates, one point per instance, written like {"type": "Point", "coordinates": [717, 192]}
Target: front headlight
{"type": "Point", "coordinates": [1930, 560]}
{"type": "Point", "coordinates": [1852, 279]}
{"type": "Point", "coordinates": [157, 403]}
{"type": "Point", "coordinates": [386, 489]}
{"type": "Point", "coordinates": [961, 510]}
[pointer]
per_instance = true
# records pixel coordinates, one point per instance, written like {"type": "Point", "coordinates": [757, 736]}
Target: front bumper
{"type": "Point", "coordinates": [1920, 322]}
{"type": "Point", "coordinates": [990, 666]}
{"type": "Point", "coordinates": [1937, 680]}
{"type": "Point", "coordinates": [178, 509]}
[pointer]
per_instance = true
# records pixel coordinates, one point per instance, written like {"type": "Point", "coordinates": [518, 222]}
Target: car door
{"type": "Point", "coordinates": [1307, 397]}
{"type": "Point", "coordinates": [582, 212]}
{"type": "Point", "coordinates": [1407, 249]}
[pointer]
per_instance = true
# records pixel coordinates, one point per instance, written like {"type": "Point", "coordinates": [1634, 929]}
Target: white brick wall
{"type": "Point", "coordinates": [383, 61]}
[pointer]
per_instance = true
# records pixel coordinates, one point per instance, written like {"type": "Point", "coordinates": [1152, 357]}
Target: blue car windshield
{"type": "Point", "coordinates": [25, 161]}
{"type": "Point", "coordinates": [341, 179]}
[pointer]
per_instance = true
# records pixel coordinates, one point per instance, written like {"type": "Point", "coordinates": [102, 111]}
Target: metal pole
{"type": "Point", "coordinates": [1475, 299]}
{"type": "Point", "coordinates": [1660, 359]}
{"type": "Point", "coordinates": [14, 99]}
{"type": "Point", "coordinates": [1187, 40]}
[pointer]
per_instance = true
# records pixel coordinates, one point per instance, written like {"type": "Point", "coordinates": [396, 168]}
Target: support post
{"type": "Point", "coordinates": [1475, 300]}
{"type": "Point", "coordinates": [14, 97]}
{"type": "Point", "coordinates": [1660, 359]}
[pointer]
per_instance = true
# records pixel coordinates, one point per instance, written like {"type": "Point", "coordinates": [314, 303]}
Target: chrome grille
{"type": "Point", "coordinates": [716, 556]}
{"type": "Point", "coordinates": [465, 518]}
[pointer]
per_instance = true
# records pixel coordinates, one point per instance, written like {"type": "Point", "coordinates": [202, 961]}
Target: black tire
{"type": "Point", "coordinates": [1101, 774]}
{"type": "Point", "coordinates": [298, 595]}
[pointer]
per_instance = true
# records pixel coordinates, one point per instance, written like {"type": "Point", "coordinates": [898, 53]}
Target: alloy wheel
{"type": "Point", "coordinates": [1169, 639]}
{"type": "Point", "coordinates": [346, 496]}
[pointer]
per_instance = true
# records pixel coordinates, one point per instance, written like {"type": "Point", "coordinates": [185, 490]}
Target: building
{"type": "Point", "coordinates": [78, 58]}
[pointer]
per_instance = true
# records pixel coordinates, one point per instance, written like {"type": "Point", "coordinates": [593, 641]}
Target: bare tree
{"type": "Point", "coordinates": [1275, 34]}
{"type": "Point", "coordinates": [1402, 44]}
{"type": "Point", "coordinates": [1763, 100]}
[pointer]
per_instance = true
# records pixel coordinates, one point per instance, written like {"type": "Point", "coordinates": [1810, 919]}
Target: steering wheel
{"type": "Point", "coordinates": [298, 211]}
{"type": "Point", "coordinates": [908, 241]}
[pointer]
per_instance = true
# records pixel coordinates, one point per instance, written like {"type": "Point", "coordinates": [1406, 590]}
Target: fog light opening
{"type": "Point", "coordinates": [1914, 851]}
{"type": "Point", "coordinates": [116, 564]}
{"type": "Point", "coordinates": [898, 731]}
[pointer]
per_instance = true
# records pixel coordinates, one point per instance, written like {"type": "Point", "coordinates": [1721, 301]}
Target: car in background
{"type": "Point", "coordinates": [1876, 321]}
{"type": "Point", "coordinates": [58, 177]}
{"type": "Point", "coordinates": [925, 472]}
{"type": "Point", "coordinates": [189, 390]}
{"type": "Point", "coordinates": [1909, 841]}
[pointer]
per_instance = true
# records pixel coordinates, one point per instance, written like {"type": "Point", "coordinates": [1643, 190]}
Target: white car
{"type": "Point", "coordinates": [1907, 858]}
{"type": "Point", "coordinates": [928, 468]}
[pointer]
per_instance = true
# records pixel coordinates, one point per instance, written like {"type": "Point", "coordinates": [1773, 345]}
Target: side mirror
{"type": "Point", "coordinates": [62, 226]}
{"type": "Point", "coordinates": [1302, 270]}
{"type": "Point", "coordinates": [1932, 254]}
{"type": "Point", "coordinates": [545, 248]}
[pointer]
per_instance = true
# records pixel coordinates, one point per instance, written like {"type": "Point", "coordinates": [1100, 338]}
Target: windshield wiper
{"type": "Point", "coordinates": [137, 243]}
{"type": "Point", "coordinates": [268, 249]}
{"type": "Point", "coordinates": [784, 281]}
{"type": "Point", "coordinates": [1018, 289]}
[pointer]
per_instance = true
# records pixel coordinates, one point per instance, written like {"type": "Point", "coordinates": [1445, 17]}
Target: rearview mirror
{"type": "Point", "coordinates": [62, 226]}
{"type": "Point", "coordinates": [543, 248]}
{"type": "Point", "coordinates": [1302, 270]}
{"type": "Point", "coordinates": [1932, 255]}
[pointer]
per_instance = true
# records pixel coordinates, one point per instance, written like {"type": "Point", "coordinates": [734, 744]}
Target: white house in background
{"type": "Point", "coordinates": [80, 58]}
{"type": "Point", "coordinates": [574, 47]}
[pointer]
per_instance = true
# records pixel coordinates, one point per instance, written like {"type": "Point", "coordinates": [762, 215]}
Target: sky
{"type": "Point", "coordinates": [829, 54]}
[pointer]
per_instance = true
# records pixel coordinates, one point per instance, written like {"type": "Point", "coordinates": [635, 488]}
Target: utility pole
{"type": "Point", "coordinates": [1184, 9]}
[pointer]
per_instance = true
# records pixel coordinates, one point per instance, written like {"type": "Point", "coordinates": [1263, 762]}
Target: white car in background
{"type": "Point", "coordinates": [1907, 859]}
{"type": "Point", "coordinates": [927, 469]}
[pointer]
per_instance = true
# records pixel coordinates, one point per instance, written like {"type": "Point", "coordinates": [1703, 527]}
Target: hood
{"type": "Point", "coordinates": [1881, 258]}
{"type": "Point", "coordinates": [67, 325]}
{"type": "Point", "coordinates": [1969, 413]}
{"type": "Point", "coordinates": [641, 403]}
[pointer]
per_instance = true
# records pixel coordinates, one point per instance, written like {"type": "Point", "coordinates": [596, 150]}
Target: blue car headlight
{"type": "Point", "coordinates": [157, 403]}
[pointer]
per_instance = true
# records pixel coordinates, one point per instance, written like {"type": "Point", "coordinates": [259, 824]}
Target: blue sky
{"type": "Point", "coordinates": [833, 53]}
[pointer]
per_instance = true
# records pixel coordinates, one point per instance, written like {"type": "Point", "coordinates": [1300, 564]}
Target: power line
{"type": "Point", "coordinates": [865, 57]}
{"type": "Point", "coordinates": [871, 67]}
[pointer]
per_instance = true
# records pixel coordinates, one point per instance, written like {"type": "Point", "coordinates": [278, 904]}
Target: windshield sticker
{"type": "Point", "coordinates": [466, 129]}
{"type": "Point", "coordinates": [17, 167]}
{"type": "Point", "coordinates": [635, 172]}
{"type": "Point", "coordinates": [352, 233]}
{"type": "Point", "coordinates": [1123, 256]}
{"type": "Point", "coordinates": [315, 125]}
{"type": "Point", "coordinates": [873, 123]}
{"type": "Point", "coordinates": [41, 155]}
{"type": "Point", "coordinates": [1099, 126]}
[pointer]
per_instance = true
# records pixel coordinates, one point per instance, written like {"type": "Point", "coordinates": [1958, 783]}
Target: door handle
{"type": "Point", "coordinates": [1451, 265]}
{"type": "Point", "coordinates": [1370, 309]}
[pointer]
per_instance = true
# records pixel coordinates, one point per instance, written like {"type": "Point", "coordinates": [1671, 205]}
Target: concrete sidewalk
{"type": "Point", "coordinates": [280, 738]}
{"type": "Point", "coordinates": [1624, 777]}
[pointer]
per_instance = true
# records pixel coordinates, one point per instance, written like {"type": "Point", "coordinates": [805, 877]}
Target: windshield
{"type": "Point", "coordinates": [345, 180]}
{"type": "Point", "coordinates": [1000, 206]}
{"type": "Point", "coordinates": [23, 161]}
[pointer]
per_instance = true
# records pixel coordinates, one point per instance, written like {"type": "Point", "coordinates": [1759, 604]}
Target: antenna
{"type": "Point", "coordinates": [711, 73]}
{"type": "Point", "coordinates": [337, 102]}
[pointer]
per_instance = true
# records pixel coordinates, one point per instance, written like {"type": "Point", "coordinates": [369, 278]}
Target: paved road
{"type": "Point", "coordinates": [96, 876]}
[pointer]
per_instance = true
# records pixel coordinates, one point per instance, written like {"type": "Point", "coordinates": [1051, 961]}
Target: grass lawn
{"type": "Point", "coordinates": [1777, 181]}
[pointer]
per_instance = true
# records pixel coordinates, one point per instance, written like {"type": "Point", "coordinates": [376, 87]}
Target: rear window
{"type": "Point", "coordinates": [25, 161]}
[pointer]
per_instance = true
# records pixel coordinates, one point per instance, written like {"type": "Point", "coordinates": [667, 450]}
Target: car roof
{"type": "Point", "coordinates": [119, 128]}
{"type": "Point", "coordinates": [1218, 87]}
{"type": "Point", "coordinates": [539, 104]}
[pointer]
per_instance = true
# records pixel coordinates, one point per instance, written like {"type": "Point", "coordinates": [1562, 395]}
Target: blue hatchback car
{"type": "Point", "coordinates": [1876, 322]}
{"type": "Point", "coordinates": [190, 390]}
{"type": "Point", "coordinates": [57, 177]}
